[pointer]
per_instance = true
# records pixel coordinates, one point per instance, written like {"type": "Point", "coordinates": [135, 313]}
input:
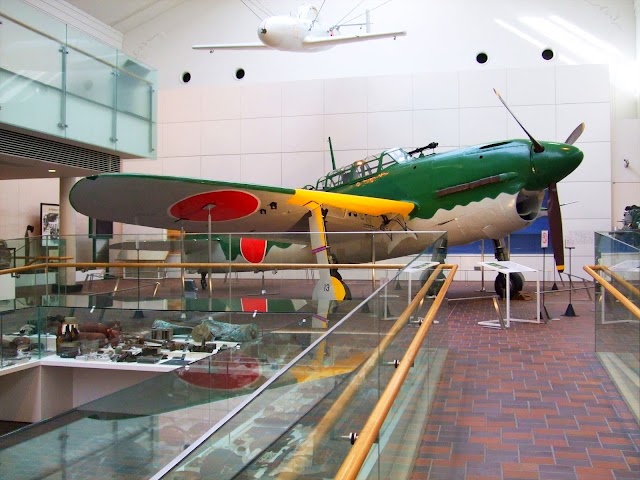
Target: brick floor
{"type": "Point", "coordinates": [531, 402]}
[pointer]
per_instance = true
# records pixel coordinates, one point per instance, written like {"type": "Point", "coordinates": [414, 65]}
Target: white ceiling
{"type": "Point", "coordinates": [124, 15]}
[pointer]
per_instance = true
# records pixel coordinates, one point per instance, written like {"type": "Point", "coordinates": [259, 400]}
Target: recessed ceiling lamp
{"type": "Point", "coordinates": [52, 170]}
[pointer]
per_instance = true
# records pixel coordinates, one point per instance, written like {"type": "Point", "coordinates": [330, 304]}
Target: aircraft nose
{"type": "Point", "coordinates": [556, 162]}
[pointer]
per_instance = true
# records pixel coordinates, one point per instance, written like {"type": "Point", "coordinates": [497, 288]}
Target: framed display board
{"type": "Point", "coordinates": [50, 224]}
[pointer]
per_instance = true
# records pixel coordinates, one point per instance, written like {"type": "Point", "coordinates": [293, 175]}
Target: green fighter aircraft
{"type": "Point", "coordinates": [479, 192]}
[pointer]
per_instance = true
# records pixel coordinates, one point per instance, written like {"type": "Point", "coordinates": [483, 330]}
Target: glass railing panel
{"type": "Point", "coordinates": [617, 330]}
{"type": "Point", "coordinates": [46, 90]}
{"type": "Point", "coordinates": [35, 18]}
{"type": "Point", "coordinates": [136, 107]}
{"type": "Point", "coordinates": [22, 289]}
{"type": "Point", "coordinates": [400, 437]}
{"type": "Point", "coordinates": [90, 94]}
{"type": "Point", "coordinates": [155, 278]}
{"type": "Point", "coordinates": [90, 46]}
{"type": "Point", "coordinates": [133, 87]}
{"type": "Point", "coordinates": [30, 79]}
{"type": "Point", "coordinates": [21, 334]}
{"type": "Point", "coordinates": [142, 428]}
{"type": "Point", "coordinates": [286, 411]}
{"type": "Point", "coordinates": [307, 425]}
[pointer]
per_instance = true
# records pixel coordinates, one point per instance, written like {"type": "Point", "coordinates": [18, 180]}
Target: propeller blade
{"type": "Point", "coordinates": [555, 226]}
{"type": "Point", "coordinates": [575, 135]}
{"type": "Point", "coordinates": [537, 147]}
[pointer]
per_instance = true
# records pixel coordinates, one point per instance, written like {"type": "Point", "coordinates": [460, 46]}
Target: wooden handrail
{"type": "Point", "coordinates": [219, 266]}
{"type": "Point", "coordinates": [296, 466]}
{"type": "Point", "coordinates": [620, 280]}
{"type": "Point", "coordinates": [358, 454]}
{"type": "Point", "coordinates": [628, 304]}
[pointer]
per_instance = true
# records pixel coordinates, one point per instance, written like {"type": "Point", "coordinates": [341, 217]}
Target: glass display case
{"type": "Point", "coordinates": [617, 328]}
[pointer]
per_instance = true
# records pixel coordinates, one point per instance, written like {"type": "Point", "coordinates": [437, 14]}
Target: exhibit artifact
{"type": "Point", "coordinates": [300, 33]}
{"type": "Point", "coordinates": [480, 192]}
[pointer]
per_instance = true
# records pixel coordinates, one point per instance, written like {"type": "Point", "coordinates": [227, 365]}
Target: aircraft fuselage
{"type": "Point", "coordinates": [480, 192]}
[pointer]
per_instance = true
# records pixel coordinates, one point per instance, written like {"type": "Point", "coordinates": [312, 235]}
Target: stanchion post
{"type": "Point", "coordinates": [570, 312]}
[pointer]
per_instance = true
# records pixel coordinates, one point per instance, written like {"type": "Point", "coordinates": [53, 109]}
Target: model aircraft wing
{"type": "Point", "coordinates": [175, 203]}
{"type": "Point", "coordinates": [231, 46]}
{"type": "Point", "coordinates": [338, 39]}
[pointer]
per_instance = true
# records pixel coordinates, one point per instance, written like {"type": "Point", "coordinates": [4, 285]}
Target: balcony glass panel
{"type": "Point", "coordinates": [90, 95]}
{"type": "Point", "coordinates": [30, 79]}
{"type": "Point", "coordinates": [73, 94]}
{"type": "Point", "coordinates": [136, 107]}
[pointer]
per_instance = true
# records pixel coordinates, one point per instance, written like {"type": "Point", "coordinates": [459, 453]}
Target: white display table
{"type": "Point", "coordinates": [420, 268]}
{"type": "Point", "coordinates": [507, 268]}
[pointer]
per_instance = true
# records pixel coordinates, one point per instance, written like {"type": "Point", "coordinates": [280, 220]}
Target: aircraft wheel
{"type": "Point", "coordinates": [347, 295]}
{"type": "Point", "coordinates": [516, 283]}
{"type": "Point", "coordinates": [436, 285]}
{"type": "Point", "coordinates": [348, 292]}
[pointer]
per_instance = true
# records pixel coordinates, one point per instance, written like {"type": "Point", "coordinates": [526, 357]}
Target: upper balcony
{"type": "Point", "coordinates": [62, 84]}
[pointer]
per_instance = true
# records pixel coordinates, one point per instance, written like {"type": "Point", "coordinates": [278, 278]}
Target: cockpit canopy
{"type": "Point", "coordinates": [360, 169]}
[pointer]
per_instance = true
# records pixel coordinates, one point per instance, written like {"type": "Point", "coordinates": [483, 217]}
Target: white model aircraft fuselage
{"type": "Point", "coordinates": [301, 33]}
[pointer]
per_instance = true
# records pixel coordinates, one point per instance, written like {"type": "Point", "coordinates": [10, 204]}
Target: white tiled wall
{"type": "Point", "coordinates": [389, 93]}
{"type": "Point", "coordinates": [345, 95]}
{"type": "Point", "coordinates": [482, 124]}
{"type": "Point", "coordinates": [437, 90]}
{"type": "Point", "coordinates": [221, 137]}
{"type": "Point", "coordinates": [303, 98]}
{"type": "Point", "coordinates": [277, 133]}
{"type": "Point", "coordinates": [441, 125]}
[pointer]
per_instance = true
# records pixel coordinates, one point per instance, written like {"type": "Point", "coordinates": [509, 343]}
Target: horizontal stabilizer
{"type": "Point", "coordinates": [231, 46]}
{"type": "Point", "coordinates": [338, 39]}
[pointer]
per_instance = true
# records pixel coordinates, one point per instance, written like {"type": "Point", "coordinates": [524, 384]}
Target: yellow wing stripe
{"type": "Point", "coordinates": [354, 203]}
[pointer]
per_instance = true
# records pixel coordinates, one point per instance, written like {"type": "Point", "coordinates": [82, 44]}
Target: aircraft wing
{"type": "Point", "coordinates": [310, 41]}
{"type": "Point", "coordinates": [175, 203]}
{"type": "Point", "coordinates": [231, 46]}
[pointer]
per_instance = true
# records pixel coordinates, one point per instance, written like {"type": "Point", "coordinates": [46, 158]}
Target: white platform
{"type": "Point", "coordinates": [34, 390]}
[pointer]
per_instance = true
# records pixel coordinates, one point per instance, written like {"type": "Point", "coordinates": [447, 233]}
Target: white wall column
{"type": "Point", "coordinates": [67, 276]}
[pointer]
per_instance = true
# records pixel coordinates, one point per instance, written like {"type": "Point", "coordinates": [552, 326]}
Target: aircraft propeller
{"type": "Point", "coordinates": [553, 204]}
{"type": "Point", "coordinates": [537, 147]}
{"type": "Point", "coordinates": [553, 210]}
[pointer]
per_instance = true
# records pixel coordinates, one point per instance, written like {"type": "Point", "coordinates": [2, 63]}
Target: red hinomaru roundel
{"type": "Point", "coordinates": [228, 205]}
{"type": "Point", "coordinates": [253, 249]}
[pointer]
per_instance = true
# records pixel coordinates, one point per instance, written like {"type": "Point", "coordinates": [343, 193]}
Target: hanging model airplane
{"type": "Point", "coordinates": [480, 192]}
{"type": "Point", "coordinates": [302, 33]}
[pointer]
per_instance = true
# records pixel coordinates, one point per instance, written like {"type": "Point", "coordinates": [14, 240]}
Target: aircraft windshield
{"type": "Point", "coordinates": [363, 168]}
{"type": "Point", "coordinates": [399, 155]}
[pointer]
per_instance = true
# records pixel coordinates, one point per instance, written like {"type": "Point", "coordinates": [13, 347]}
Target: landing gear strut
{"type": "Point", "coordinates": [516, 280]}
{"type": "Point", "coordinates": [335, 274]}
{"type": "Point", "coordinates": [439, 255]}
